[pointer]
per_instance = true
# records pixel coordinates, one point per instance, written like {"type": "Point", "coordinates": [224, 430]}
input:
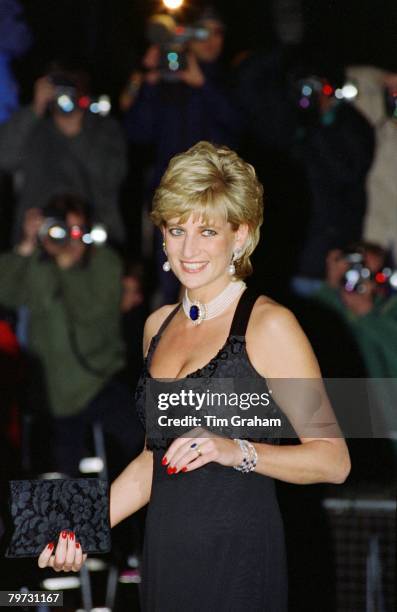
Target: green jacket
{"type": "Point", "coordinates": [375, 332]}
{"type": "Point", "coordinates": [74, 325]}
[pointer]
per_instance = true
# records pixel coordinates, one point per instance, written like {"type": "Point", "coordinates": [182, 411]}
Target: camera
{"type": "Point", "coordinates": [172, 38]}
{"type": "Point", "coordinates": [55, 229]}
{"type": "Point", "coordinates": [357, 273]}
{"type": "Point", "coordinates": [308, 91]}
{"type": "Point", "coordinates": [68, 99]}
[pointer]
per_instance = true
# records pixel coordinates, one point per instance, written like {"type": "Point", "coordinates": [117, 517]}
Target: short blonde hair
{"type": "Point", "coordinates": [211, 181]}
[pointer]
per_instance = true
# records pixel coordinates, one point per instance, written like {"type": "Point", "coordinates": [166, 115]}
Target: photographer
{"type": "Point", "coordinates": [195, 105]}
{"type": "Point", "coordinates": [171, 111]}
{"type": "Point", "coordinates": [73, 292]}
{"type": "Point", "coordinates": [335, 145]}
{"type": "Point", "coordinates": [359, 340]}
{"type": "Point", "coordinates": [57, 148]}
{"type": "Point", "coordinates": [364, 304]}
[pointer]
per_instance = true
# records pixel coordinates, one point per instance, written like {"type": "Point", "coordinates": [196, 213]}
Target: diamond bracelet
{"type": "Point", "coordinates": [250, 456]}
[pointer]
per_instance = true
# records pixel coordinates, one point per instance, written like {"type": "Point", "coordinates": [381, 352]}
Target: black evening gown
{"type": "Point", "coordinates": [214, 539]}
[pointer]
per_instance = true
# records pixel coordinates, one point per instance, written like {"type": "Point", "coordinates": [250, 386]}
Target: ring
{"type": "Point", "coordinates": [198, 450]}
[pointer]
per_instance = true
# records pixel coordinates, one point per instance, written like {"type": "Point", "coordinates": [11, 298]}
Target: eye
{"type": "Point", "coordinates": [209, 232]}
{"type": "Point", "coordinates": [175, 231]}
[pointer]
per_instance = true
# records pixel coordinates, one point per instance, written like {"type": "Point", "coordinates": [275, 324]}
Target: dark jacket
{"type": "Point", "coordinates": [74, 327]}
{"type": "Point", "coordinates": [336, 154]}
{"type": "Point", "coordinates": [91, 164]}
{"type": "Point", "coordinates": [174, 116]}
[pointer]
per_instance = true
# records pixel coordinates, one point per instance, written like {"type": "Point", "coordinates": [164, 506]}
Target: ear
{"type": "Point", "coordinates": [241, 236]}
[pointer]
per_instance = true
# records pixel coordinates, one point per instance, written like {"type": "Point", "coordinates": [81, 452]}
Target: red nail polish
{"type": "Point", "coordinates": [174, 470]}
{"type": "Point", "coordinates": [50, 545]}
{"type": "Point", "coordinates": [170, 470]}
{"type": "Point", "coordinates": [184, 469]}
{"type": "Point", "coordinates": [164, 461]}
{"type": "Point", "coordinates": [71, 535]}
{"type": "Point", "coordinates": [64, 534]}
{"type": "Point", "coordinates": [77, 545]}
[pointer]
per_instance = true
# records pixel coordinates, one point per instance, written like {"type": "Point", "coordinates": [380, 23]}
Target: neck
{"type": "Point", "coordinates": [209, 292]}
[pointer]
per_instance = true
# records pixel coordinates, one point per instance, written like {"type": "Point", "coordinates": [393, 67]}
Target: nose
{"type": "Point", "coordinates": [190, 247]}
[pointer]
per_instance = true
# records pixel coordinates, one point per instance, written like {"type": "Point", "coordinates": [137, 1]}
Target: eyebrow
{"type": "Point", "coordinates": [201, 226]}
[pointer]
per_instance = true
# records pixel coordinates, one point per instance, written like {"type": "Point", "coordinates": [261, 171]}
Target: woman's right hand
{"type": "Point", "coordinates": [67, 556]}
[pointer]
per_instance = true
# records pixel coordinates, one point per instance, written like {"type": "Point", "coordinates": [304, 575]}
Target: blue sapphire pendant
{"type": "Point", "coordinates": [194, 312]}
{"type": "Point", "coordinates": [197, 312]}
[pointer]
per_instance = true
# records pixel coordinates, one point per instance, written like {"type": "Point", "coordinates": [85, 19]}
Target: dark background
{"type": "Point", "coordinates": [107, 36]}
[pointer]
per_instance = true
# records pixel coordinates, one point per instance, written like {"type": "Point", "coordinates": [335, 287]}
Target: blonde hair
{"type": "Point", "coordinates": [209, 182]}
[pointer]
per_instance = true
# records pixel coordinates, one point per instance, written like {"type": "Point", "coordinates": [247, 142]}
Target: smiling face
{"type": "Point", "coordinates": [200, 252]}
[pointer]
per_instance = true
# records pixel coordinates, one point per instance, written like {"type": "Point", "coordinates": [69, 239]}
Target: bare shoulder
{"type": "Point", "coordinates": [270, 316]}
{"type": "Point", "coordinates": [276, 343]}
{"type": "Point", "coordinates": [154, 322]}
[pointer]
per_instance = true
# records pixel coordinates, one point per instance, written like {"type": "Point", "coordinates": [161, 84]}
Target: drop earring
{"type": "Point", "coordinates": [232, 267]}
{"type": "Point", "coordinates": [166, 264]}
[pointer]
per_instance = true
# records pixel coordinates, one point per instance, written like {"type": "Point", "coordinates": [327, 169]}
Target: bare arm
{"type": "Point", "coordinates": [307, 463]}
{"type": "Point", "coordinates": [129, 492]}
{"type": "Point", "coordinates": [281, 352]}
{"type": "Point", "coordinates": [131, 489]}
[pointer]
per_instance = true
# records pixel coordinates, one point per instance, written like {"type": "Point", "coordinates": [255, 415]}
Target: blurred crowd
{"type": "Point", "coordinates": [80, 265]}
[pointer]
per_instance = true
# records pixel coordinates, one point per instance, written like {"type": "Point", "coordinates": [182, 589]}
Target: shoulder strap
{"type": "Point", "coordinates": [243, 313]}
{"type": "Point", "coordinates": [168, 319]}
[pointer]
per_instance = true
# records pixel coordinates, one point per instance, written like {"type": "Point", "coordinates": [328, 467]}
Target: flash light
{"type": "Point", "coordinates": [67, 103]}
{"type": "Point", "coordinates": [172, 5]}
{"type": "Point", "coordinates": [349, 91]}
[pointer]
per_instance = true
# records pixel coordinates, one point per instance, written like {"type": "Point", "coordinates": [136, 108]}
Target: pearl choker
{"type": "Point", "coordinates": [197, 311]}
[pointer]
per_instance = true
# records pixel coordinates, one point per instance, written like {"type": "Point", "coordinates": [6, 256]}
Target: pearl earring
{"type": "Point", "coordinates": [166, 264]}
{"type": "Point", "coordinates": [232, 267]}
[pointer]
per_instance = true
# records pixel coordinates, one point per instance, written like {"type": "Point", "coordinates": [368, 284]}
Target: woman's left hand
{"type": "Point", "coordinates": [188, 453]}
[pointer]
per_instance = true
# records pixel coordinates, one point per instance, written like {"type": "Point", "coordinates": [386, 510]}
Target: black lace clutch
{"type": "Point", "coordinates": [41, 509]}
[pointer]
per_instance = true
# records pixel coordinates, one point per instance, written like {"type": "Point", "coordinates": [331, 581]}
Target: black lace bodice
{"type": "Point", "coordinates": [231, 362]}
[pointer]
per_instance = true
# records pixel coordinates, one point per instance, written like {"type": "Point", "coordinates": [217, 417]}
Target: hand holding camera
{"type": "Point", "coordinates": [33, 220]}
{"type": "Point", "coordinates": [44, 95]}
{"type": "Point", "coordinates": [344, 272]}
{"type": "Point", "coordinates": [53, 236]}
{"type": "Point", "coordinates": [360, 303]}
{"type": "Point", "coordinates": [192, 75]}
{"type": "Point", "coordinates": [336, 268]}
{"type": "Point", "coordinates": [66, 253]}
{"type": "Point", "coordinates": [64, 239]}
{"type": "Point", "coordinates": [360, 274]}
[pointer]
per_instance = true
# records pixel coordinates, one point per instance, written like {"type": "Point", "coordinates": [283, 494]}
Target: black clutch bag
{"type": "Point", "coordinates": [41, 509]}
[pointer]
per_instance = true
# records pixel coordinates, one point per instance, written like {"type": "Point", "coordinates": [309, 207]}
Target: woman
{"type": "Point", "coordinates": [214, 537]}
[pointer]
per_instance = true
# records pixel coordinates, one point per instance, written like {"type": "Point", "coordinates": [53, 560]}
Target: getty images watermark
{"type": "Point", "coordinates": [229, 407]}
{"type": "Point", "coordinates": [198, 401]}
{"type": "Point", "coordinates": [276, 408]}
